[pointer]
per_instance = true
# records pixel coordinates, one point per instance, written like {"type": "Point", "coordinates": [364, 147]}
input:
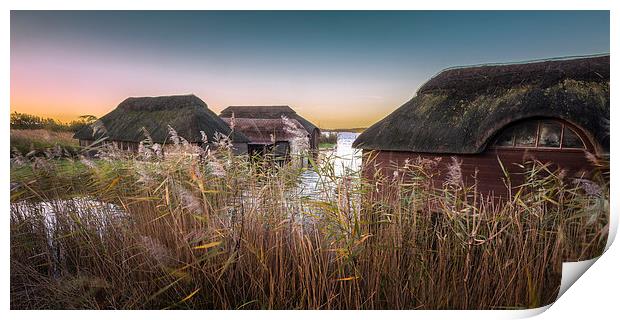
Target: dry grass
{"type": "Point", "coordinates": [26, 140]}
{"type": "Point", "coordinates": [197, 237]}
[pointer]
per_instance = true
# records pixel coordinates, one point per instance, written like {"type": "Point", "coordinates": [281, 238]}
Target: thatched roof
{"type": "Point", "coordinates": [461, 109]}
{"type": "Point", "coordinates": [187, 114]}
{"type": "Point", "coordinates": [263, 131]}
{"type": "Point", "coordinates": [267, 112]}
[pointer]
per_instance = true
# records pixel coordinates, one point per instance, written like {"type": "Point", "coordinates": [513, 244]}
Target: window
{"type": "Point", "coordinates": [542, 134]}
{"type": "Point", "coordinates": [525, 135]}
{"type": "Point", "coordinates": [550, 134]}
{"type": "Point", "coordinates": [571, 139]}
{"type": "Point", "coordinates": [506, 138]}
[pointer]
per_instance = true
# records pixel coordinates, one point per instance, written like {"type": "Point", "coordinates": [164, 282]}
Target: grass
{"type": "Point", "coordinates": [218, 231]}
{"type": "Point", "coordinates": [39, 140]}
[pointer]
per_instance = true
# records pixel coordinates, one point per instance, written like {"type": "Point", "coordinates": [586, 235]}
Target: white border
{"type": "Point", "coordinates": [595, 294]}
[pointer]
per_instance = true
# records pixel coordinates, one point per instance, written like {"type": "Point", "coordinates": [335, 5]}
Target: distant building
{"type": "Point", "coordinates": [267, 129]}
{"type": "Point", "coordinates": [554, 111]}
{"type": "Point", "coordinates": [188, 115]}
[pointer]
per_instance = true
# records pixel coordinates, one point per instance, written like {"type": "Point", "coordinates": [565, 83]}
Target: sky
{"type": "Point", "coordinates": [339, 69]}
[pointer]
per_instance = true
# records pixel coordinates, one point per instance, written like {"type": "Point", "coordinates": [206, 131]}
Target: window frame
{"type": "Point", "coordinates": [564, 124]}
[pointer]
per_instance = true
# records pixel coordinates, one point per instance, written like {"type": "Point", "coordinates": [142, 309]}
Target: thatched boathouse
{"type": "Point", "coordinates": [555, 111]}
{"type": "Point", "coordinates": [188, 115]}
{"type": "Point", "coordinates": [273, 127]}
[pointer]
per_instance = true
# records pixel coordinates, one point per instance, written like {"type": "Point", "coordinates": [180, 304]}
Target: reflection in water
{"type": "Point", "coordinates": [78, 209]}
{"type": "Point", "coordinates": [61, 215]}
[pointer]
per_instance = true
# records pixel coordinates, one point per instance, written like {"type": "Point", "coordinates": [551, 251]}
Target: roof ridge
{"type": "Point", "coordinates": [494, 64]}
{"type": "Point", "coordinates": [486, 70]}
{"type": "Point", "coordinates": [163, 96]}
{"type": "Point", "coordinates": [260, 105]}
{"type": "Point", "coordinates": [160, 103]}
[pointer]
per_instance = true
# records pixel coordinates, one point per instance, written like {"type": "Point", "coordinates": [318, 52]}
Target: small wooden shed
{"type": "Point", "coordinates": [555, 111]}
{"type": "Point", "coordinates": [259, 123]}
{"type": "Point", "coordinates": [188, 115]}
{"type": "Point", "coordinates": [267, 136]}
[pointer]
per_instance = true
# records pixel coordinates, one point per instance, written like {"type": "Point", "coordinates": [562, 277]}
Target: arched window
{"type": "Point", "coordinates": [540, 134]}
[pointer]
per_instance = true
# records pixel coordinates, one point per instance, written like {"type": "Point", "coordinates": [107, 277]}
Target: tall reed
{"type": "Point", "coordinates": [205, 229]}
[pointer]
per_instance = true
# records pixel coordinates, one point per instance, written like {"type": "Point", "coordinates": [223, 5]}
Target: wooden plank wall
{"type": "Point", "coordinates": [490, 174]}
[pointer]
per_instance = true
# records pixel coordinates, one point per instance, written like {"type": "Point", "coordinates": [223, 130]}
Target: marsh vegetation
{"type": "Point", "coordinates": [206, 229]}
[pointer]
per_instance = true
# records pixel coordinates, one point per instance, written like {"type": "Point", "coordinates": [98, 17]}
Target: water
{"type": "Point", "coordinates": [348, 160]}
{"type": "Point", "coordinates": [343, 158]}
{"type": "Point", "coordinates": [97, 214]}
{"type": "Point", "coordinates": [81, 209]}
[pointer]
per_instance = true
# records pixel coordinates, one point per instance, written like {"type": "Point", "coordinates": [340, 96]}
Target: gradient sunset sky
{"type": "Point", "coordinates": [336, 68]}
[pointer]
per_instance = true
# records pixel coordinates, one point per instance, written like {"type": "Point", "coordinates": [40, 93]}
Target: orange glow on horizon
{"type": "Point", "coordinates": [67, 111]}
{"type": "Point", "coordinates": [49, 98]}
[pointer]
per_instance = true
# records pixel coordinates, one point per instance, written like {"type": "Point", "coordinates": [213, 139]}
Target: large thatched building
{"type": "Point", "coordinates": [276, 127]}
{"type": "Point", "coordinates": [188, 115]}
{"type": "Point", "coordinates": [554, 111]}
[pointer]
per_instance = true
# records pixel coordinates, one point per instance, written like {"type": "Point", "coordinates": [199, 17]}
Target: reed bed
{"type": "Point", "coordinates": [40, 140]}
{"type": "Point", "coordinates": [205, 229]}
